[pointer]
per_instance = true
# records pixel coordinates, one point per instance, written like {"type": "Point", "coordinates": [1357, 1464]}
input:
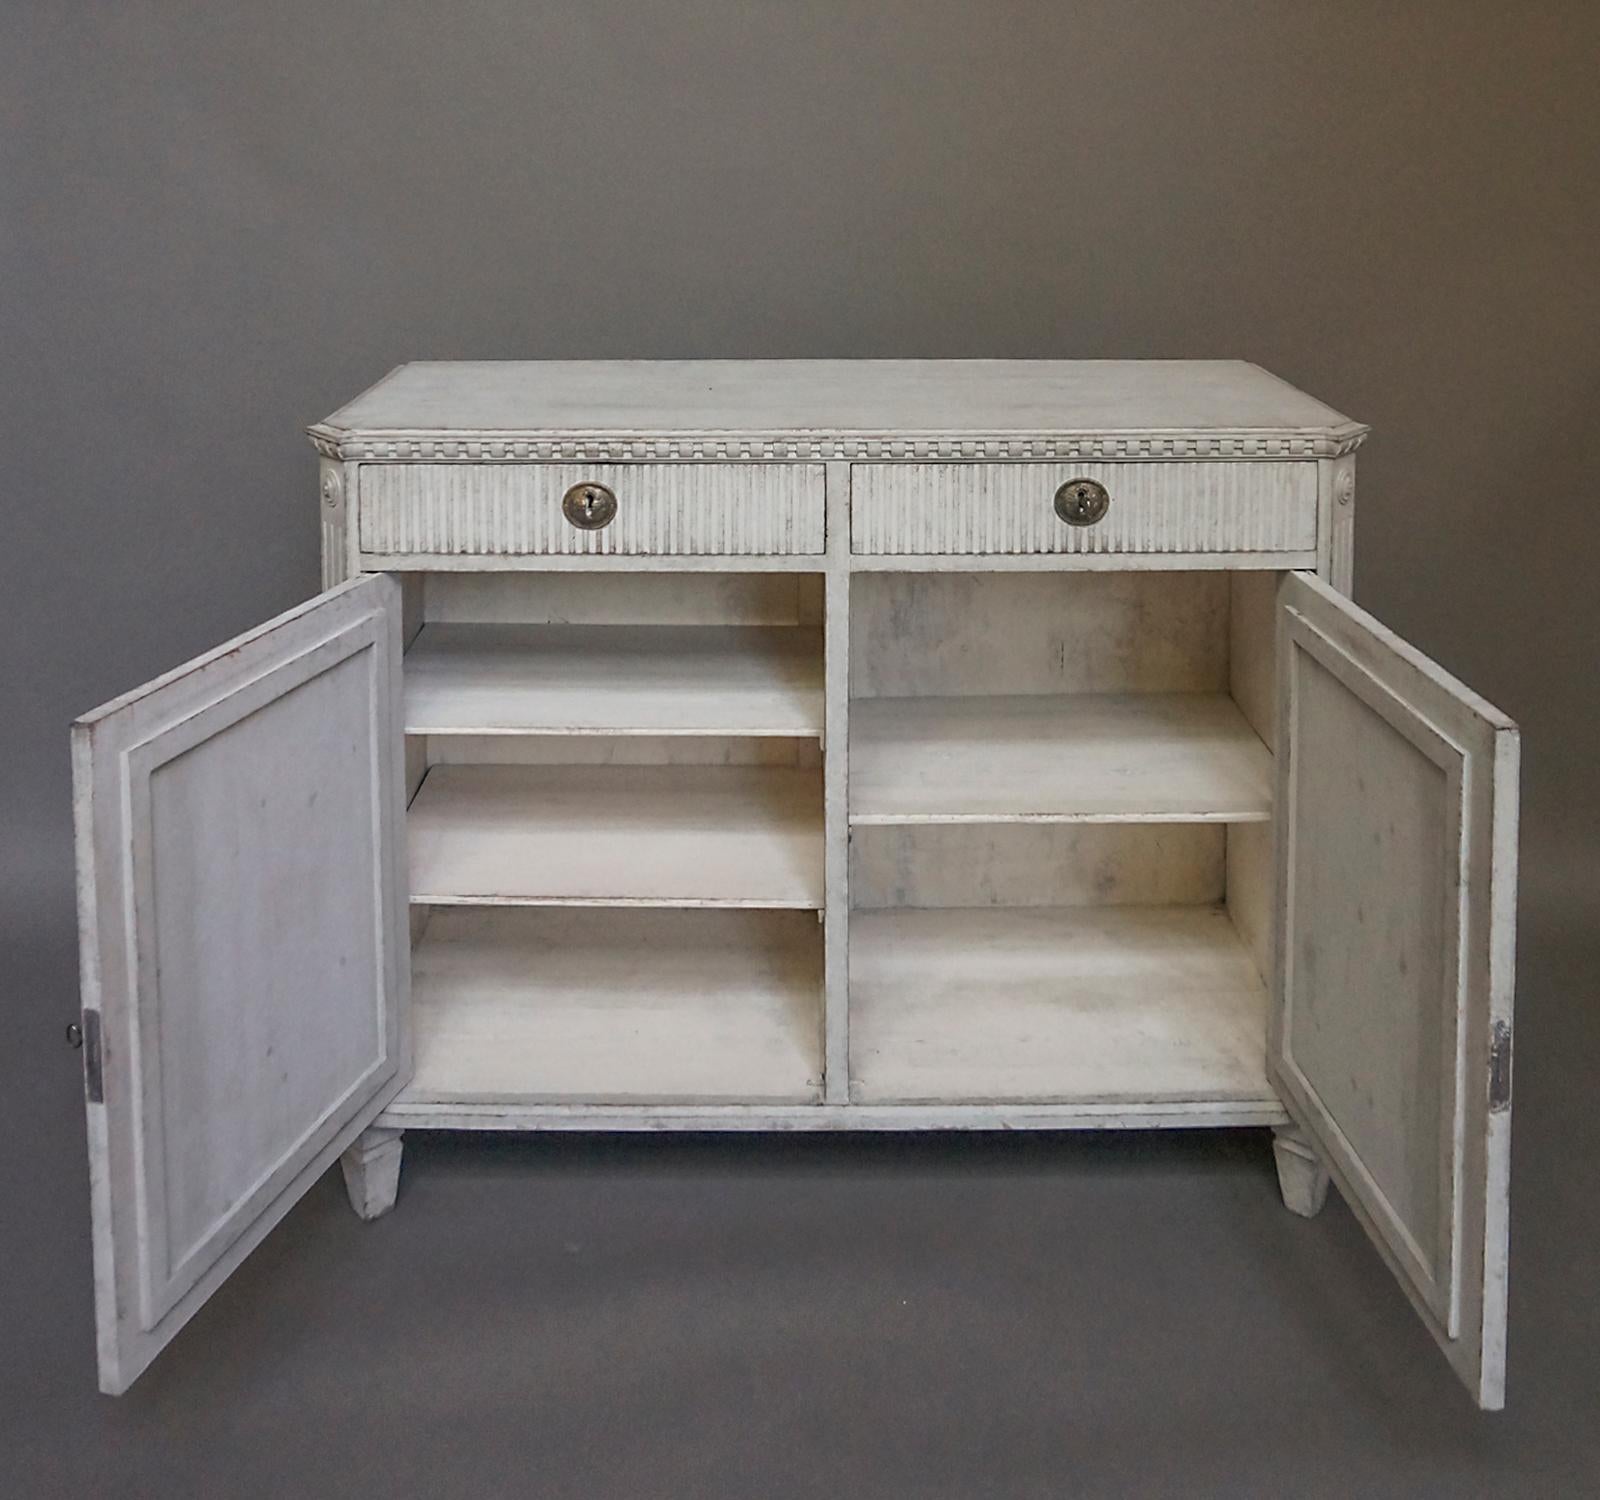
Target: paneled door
{"type": "Point", "coordinates": [1390, 1036]}
{"type": "Point", "coordinates": [242, 893]}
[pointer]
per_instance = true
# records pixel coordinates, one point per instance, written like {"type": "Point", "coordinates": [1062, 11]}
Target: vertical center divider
{"type": "Point", "coordinates": [836, 789]}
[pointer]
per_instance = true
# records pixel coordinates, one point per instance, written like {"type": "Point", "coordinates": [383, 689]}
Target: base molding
{"type": "Point", "coordinates": [1186, 1115]}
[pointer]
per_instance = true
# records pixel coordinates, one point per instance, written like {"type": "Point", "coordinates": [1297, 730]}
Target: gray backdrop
{"type": "Point", "coordinates": [221, 221]}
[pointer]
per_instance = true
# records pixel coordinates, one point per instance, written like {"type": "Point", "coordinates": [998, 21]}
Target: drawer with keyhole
{"type": "Point", "coordinates": [420, 510]}
{"type": "Point", "coordinates": [986, 509]}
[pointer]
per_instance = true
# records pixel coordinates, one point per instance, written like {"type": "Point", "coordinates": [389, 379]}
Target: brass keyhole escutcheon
{"type": "Point", "coordinates": [589, 506]}
{"type": "Point", "coordinates": [1082, 502]}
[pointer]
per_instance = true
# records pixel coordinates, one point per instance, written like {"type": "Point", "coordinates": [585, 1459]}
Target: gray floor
{"type": "Point", "coordinates": [791, 1316]}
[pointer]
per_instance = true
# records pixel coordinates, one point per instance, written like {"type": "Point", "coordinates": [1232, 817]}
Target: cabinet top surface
{"type": "Point", "coordinates": [1198, 403]}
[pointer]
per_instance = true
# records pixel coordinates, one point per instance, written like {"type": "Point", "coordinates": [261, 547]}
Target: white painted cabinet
{"type": "Point", "coordinates": [805, 745]}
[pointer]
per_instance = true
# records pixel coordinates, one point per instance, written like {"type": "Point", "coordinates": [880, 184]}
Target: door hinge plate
{"type": "Point", "coordinates": [94, 1083]}
{"type": "Point", "coordinates": [1499, 1066]}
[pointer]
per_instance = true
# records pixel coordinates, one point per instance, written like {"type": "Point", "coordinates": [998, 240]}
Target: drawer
{"type": "Point", "coordinates": [977, 508]}
{"type": "Point", "coordinates": [739, 510]}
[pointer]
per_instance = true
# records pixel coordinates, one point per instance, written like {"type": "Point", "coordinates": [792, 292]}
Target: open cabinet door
{"type": "Point", "coordinates": [1390, 1037]}
{"type": "Point", "coordinates": [242, 913]}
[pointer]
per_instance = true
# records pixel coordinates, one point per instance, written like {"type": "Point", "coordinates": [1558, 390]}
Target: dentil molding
{"type": "Point", "coordinates": [776, 447]}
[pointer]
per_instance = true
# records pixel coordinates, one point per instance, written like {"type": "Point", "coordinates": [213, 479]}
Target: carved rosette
{"type": "Point", "coordinates": [1342, 525]}
{"type": "Point", "coordinates": [335, 550]}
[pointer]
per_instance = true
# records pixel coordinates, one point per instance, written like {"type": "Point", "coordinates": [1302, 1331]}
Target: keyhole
{"type": "Point", "coordinates": [589, 506]}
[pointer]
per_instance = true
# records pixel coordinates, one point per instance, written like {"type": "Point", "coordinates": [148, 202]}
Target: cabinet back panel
{"type": "Point", "coordinates": [622, 598]}
{"type": "Point", "coordinates": [914, 635]}
{"type": "Point", "coordinates": [1093, 864]}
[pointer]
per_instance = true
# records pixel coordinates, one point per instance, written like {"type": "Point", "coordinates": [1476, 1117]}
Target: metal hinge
{"type": "Point", "coordinates": [87, 1037]}
{"type": "Point", "coordinates": [1499, 1066]}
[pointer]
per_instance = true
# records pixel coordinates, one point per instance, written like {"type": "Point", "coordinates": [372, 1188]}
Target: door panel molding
{"type": "Point", "coordinates": [244, 920]}
{"type": "Point", "coordinates": [1396, 897]}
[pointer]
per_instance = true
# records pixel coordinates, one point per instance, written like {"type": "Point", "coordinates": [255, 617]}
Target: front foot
{"type": "Point", "coordinates": [1302, 1178]}
{"type": "Point", "coordinates": [372, 1171]}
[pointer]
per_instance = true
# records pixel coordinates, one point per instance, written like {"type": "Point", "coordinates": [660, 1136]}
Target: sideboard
{"type": "Point", "coordinates": [787, 745]}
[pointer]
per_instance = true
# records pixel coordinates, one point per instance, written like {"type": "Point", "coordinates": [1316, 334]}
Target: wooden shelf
{"type": "Point", "coordinates": [1136, 1005]}
{"type": "Point", "coordinates": [617, 836]}
{"type": "Point", "coordinates": [614, 679]}
{"type": "Point", "coordinates": [617, 1007]}
{"type": "Point", "coordinates": [1112, 758]}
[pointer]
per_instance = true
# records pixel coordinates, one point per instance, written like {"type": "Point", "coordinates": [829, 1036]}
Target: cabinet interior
{"type": "Point", "coordinates": [615, 836]}
{"type": "Point", "coordinates": [1059, 805]}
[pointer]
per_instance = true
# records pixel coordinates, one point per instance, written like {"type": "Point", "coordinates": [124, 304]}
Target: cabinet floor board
{"type": "Point", "coordinates": [1135, 1004]}
{"type": "Point", "coordinates": [617, 1007]}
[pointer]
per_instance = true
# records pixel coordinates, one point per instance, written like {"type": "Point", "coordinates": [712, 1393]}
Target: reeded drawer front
{"type": "Point", "coordinates": [977, 508]}
{"type": "Point", "coordinates": [741, 510]}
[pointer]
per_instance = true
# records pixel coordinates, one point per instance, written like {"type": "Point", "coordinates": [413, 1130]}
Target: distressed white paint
{"type": "Point", "coordinates": [618, 1007]}
{"type": "Point", "coordinates": [932, 635]}
{"type": "Point", "coordinates": [1251, 891]}
{"type": "Point", "coordinates": [596, 565]}
{"type": "Point", "coordinates": [538, 411]}
{"type": "Point", "coordinates": [1168, 757]}
{"type": "Point", "coordinates": [1252, 678]}
{"type": "Point", "coordinates": [504, 597]}
{"type": "Point", "coordinates": [1038, 864]}
{"type": "Point", "coordinates": [662, 509]}
{"type": "Point", "coordinates": [968, 508]}
{"type": "Point", "coordinates": [335, 517]}
{"type": "Point", "coordinates": [1302, 1178]}
{"type": "Point", "coordinates": [617, 750]}
{"type": "Point", "coordinates": [731, 456]}
{"type": "Point", "coordinates": [615, 679]}
{"type": "Point", "coordinates": [1253, 685]}
{"type": "Point", "coordinates": [836, 791]}
{"type": "Point", "coordinates": [1082, 563]}
{"type": "Point", "coordinates": [243, 921]}
{"type": "Point", "coordinates": [371, 1169]}
{"type": "Point", "coordinates": [1396, 872]}
{"type": "Point", "coordinates": [1131, 1005]}
{"type": "Point", "coordinates": [607, 835]}
{"type": "Point", "coordinates": [1152, 1115]}
{"type": "Point", "coordinates": [416, 764]}
{"type": "Point", "coordinates": [1336, 514]}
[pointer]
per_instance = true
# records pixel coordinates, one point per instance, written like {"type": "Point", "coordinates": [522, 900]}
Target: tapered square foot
{"type": "Point", "coordinates": [1302, 1178]}
{"type": "Point", "coordinates": [372, 1171]}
